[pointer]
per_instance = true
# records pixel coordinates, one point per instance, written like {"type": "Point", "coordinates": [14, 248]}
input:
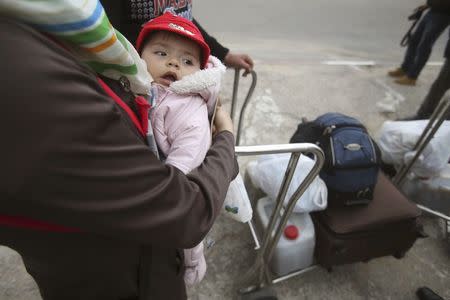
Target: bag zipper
{"type": "Point", "coordinates": [329, 129]}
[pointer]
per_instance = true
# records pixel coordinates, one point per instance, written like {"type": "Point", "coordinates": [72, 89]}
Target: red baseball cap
{"type": "Point", "coordinates": [178, 25]}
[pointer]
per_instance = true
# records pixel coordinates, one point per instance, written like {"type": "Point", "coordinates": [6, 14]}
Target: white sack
{"type": "Point", "coordinates": [398, 138]}
{"type": "Point", "coordinates": [237, 204]}
{"type": "Point", "coordinates": [268, 171]}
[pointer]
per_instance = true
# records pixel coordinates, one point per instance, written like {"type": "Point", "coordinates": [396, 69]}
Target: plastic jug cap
{"type": "Point", "coordinates": [291, 232]}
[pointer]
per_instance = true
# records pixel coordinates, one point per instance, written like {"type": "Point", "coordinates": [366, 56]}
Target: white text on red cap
{"type": "Point", "coordinates": [180, 28]}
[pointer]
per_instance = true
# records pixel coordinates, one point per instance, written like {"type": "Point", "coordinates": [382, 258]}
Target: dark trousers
{"type": "Point", "coordinates": [422, 40]}
{"type": "Point", "coordinates": [436, 92]}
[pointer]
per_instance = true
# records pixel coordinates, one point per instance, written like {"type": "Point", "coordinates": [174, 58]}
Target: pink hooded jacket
{"type": "Point", "coordinates": [180, 115]}
{"type": "Point", "coordinates": [180, 122]}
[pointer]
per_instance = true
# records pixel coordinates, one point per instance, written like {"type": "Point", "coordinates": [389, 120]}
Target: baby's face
{"type": "Point", "coordinates": [170, 57]}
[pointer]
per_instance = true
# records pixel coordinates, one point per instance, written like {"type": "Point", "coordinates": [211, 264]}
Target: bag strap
{"type": "Point", "coordinates": [28, 223]}
{"type": "Point", "coordinates": [416, 15]}
{"type": "Point", "coordinates": [139, 117]}
{"type": "Point", "coordinates": [125, 107]}
{"type": "Point", "coordinates": [405, 40]}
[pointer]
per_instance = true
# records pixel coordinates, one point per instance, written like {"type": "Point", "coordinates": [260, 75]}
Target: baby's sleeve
{"type": "Point", "coordinates": [189, 147]}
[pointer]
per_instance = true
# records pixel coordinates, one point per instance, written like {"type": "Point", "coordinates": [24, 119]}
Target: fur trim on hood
{"type": "Point", "coordinates": [201, 80]}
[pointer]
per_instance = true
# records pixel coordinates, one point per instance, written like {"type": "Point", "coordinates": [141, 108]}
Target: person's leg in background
{"type": "Point", "coordinates": [436, 92]}
{"type": "Point", "coordinates": [434, 25]}
{"type": "Point", "coordinates": [411, 50]}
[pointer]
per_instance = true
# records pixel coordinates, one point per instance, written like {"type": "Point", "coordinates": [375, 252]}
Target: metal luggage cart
{"type": "Point", "coordinates": [258, 278]}
{"type": "Point", "coordinates": [436, 120]}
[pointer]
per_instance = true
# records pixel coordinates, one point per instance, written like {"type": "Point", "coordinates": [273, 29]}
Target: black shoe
{"type": "Point", "coordinates": [425, 293]}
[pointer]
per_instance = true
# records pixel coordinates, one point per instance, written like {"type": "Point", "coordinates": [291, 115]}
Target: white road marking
{"type": "Point", "coordinates": [367, 63]}
{"type": "Point", "coordinates": [348, 63]}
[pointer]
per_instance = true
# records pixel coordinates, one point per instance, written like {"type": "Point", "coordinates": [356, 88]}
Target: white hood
{"type": "Point", "coordinates": [205, 82]}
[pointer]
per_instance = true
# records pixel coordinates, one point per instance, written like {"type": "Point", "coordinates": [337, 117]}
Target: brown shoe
{"type": "Point", "coordinates": [405, 80]}
{"type": "Point", "coordinates": [397, 73]}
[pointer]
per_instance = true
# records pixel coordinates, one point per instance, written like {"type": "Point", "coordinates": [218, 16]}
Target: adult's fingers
{"type": "Point", "coordinates": [222, 121]}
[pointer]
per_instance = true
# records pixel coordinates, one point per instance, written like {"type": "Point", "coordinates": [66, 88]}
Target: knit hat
{"type": "Point", "coordinates": [178, 25]}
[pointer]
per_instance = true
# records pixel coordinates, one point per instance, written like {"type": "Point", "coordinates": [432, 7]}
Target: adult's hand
{"type": "Point", "coordinates": [239, 61]}
{"type": "Point", "coordinates": [222, 121]}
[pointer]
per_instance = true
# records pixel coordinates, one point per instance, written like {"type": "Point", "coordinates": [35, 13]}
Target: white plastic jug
{"type": "Point", "coordinates": [295, 249]}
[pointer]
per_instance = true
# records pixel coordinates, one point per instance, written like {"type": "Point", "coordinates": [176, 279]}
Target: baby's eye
{"type": "Point", "coordinates": [160, 53]}
{"type": "Point", "coordinates": [187, 61]}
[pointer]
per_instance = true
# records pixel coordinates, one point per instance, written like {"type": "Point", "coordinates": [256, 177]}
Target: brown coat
{"type": "Point", "coordinates": [71, 156]}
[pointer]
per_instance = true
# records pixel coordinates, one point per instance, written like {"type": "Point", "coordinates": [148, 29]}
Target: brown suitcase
{"type": "Point", "coordinates": [388, 225]}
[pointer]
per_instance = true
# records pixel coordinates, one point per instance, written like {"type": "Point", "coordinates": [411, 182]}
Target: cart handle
{"type": "Point", "coordinates": [244, 105]}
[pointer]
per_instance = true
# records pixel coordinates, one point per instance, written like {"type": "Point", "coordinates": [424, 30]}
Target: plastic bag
{"type": "Point", "coordinates": [398, 138]}
{"type": "Point", "coordinates": [237, 204]}
{"type": "Point", "coordinates": [268, 171]}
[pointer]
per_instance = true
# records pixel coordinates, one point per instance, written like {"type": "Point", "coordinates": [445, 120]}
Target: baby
{"type": "Point", "coordinates": [186, 83]}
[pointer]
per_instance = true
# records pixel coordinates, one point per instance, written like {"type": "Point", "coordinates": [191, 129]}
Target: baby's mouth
{"type": "Point", "coordinates": [170, 76]}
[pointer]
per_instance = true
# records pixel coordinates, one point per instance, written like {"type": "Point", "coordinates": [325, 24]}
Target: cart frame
{"type": "Point", "coordinates": [280, 215]}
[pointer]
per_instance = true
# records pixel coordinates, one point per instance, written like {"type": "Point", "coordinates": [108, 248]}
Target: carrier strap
{"type": "Point", "coordinates": [141, 125]}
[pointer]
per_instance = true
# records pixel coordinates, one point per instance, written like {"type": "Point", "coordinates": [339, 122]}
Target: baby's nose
{"type": "Point", "coordinates": [173, 63]}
